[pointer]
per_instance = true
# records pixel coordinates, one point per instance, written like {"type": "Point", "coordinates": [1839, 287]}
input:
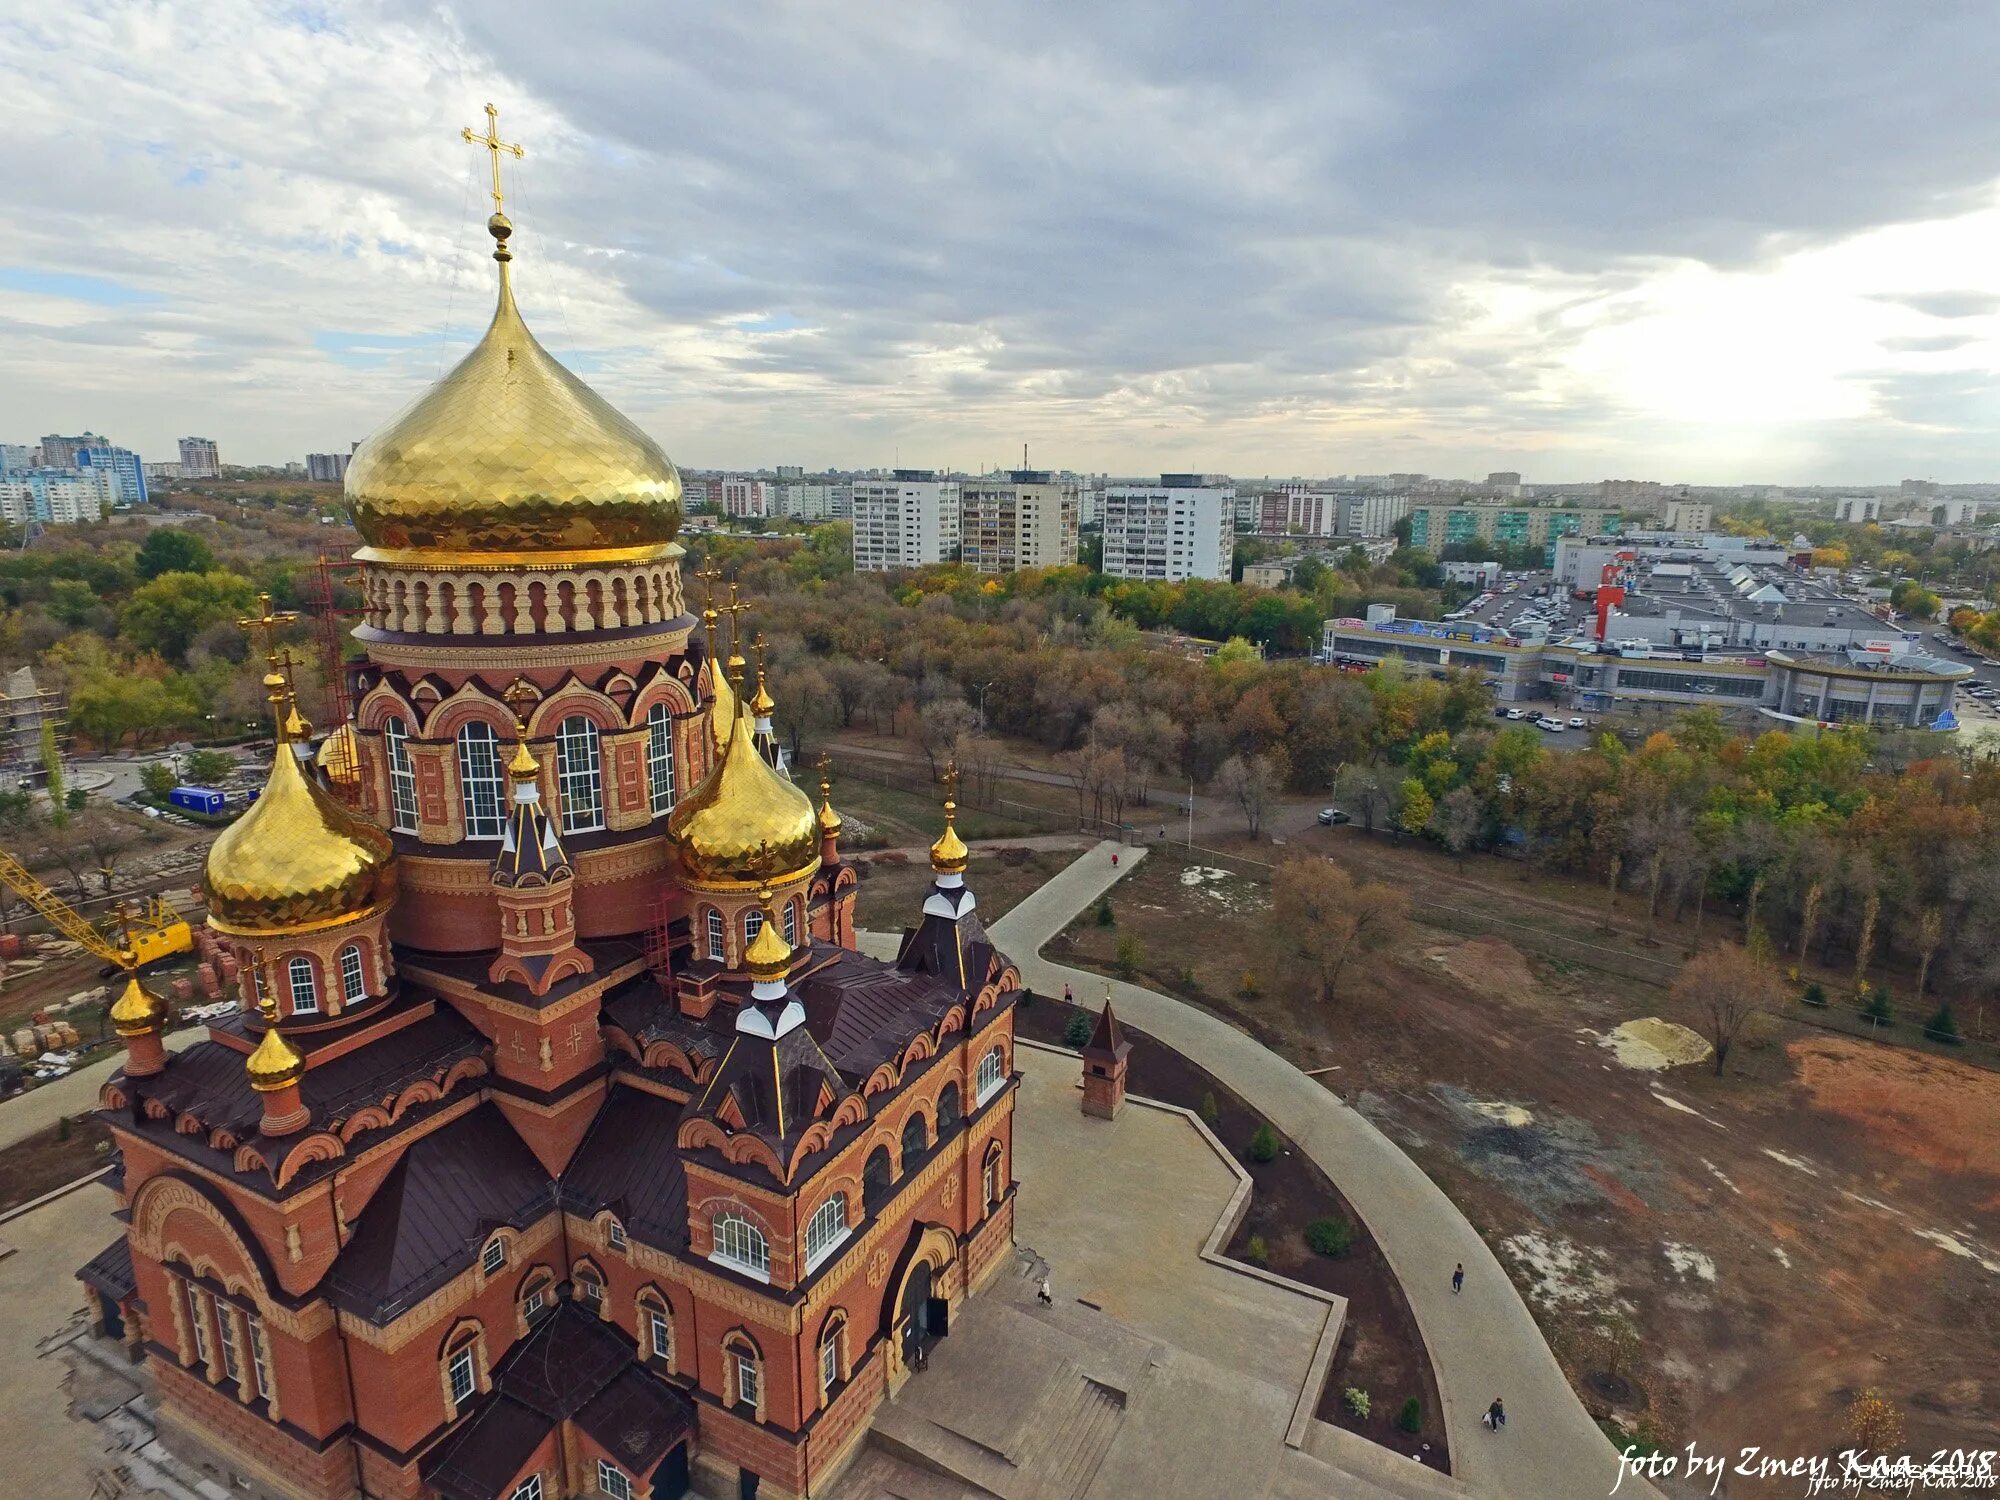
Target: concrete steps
{"type": "Point", "coordinates": [1067, 1444]}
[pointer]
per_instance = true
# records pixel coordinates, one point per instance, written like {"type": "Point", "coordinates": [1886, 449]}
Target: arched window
{"type": "Point", "coordinates": [740, 1245]}
{"type": "Point", "coordinates": [792, 922]}
{"type": "Point", "coordinates": [825, 1230]}
{"type": "Point", "coordinates": [753, 922]}
{"type": "Point", "coordinates": [537, 1294]}
{"type": "Point", "coordinates": [479, 781]}
{"type": "Point", "coordinates": [916, 1140]}
{"type": "Point", "coordinates": [305, 989]}
{"type": "Point", "coordinates": [461, 1369]}
{"type": "Point", "coordinates": [950, 1116]}
{"type": "Point", "coordinates": [353, 982]}
{"type": "Point", "coordinates": [992, 1073]}
{"type": "Point", "coordinates": [589, 1283]}
{"type": "Point", "coordinates": [402, 776]}
{"type": "Point", "coordinates": [660, 757]}
{"type": "Point", "coordinates": [877, 1177]}
{"type": "Point", "coordinates": [744, 1385]}
{"type": "Point", "coordinates": [656, 1328]}
{"type": "Point", "coordinates": [715, 934]}
{"type": "Point", "coordinates": [832, 1355]}
{"type": "Point", "coordinates": [578, 776]}
{"type": "Point", "coordinates": [494, 1257]}
{"type": "Point", "coordinates": [996, 1184]}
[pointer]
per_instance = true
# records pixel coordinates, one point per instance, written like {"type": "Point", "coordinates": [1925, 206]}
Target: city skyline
{"type": "Point", "coordinates": [1321, 247]}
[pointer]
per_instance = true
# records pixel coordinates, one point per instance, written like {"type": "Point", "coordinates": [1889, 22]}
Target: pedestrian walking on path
{"type": "Point", "coordinates": [1068, 998]}
{"type": "Point", "coordinates": [1043, 1295]}
{"type": "Point", "coordinates": [1496, 1415]}
{"type": "Point", "coordinates": [1458, 1279]}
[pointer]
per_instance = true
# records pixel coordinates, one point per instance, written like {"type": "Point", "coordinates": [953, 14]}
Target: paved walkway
{"type": "Point", "coordinates": [1483, 1343]}
{"type": "Point", "coordinates": [43, 1105]}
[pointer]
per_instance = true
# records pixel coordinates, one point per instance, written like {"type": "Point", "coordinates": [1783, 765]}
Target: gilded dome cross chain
{"type": "Point", "coordinates": [494, 146]}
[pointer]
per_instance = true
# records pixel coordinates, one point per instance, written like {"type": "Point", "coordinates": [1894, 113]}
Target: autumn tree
{"type": "Point", "coordinates": [1873, 1422]}
{"type": "Point", "coordinates": [1252, 782]}
{"type": "Point", "coordinates": [1331, 919]}
{"type": "Point", "coordinates": [1724, 985]}
{"type": "Point", "coordinates": [1418, 807]}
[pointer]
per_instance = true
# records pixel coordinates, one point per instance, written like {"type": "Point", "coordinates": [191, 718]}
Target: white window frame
{"type": "Point", "coordinates": [826, 1231]}
{"type": "Point", "coordinates": [481, 788]}
{"type": "Point", "coordinates": [580, 774]}
{"type": "Point", "coordinates": [463, 1362]}
{"type": "Point", "coordinates": [829, 1358]}
{"type": "Point", "coordinates": [402, 776]}
{"type": "Point", "coordinates": [304, 986]}
{"type": "Point", "coordinates": [613, 1481]}
{"type": "Point", "coordinates": [660, 758]}
{"type": "Point", "coordinates": [528, 1489]}
{"type": "Point", "coordinates": [992, 1074]}
{"type": "Point", "coordinates": [353, 977]}
{"type": "Point", "coordinates": [749, 1377]}
{"type": "Point", "coordinates": [494, 1257]}
{"type": "Point", "coordinates": [255, 1325]}
{"type": "Point", "coordinates": [197, 1302]}
{"type": "Point", "coordinates": [741, 1246]}
{"type": "Point", "coordinates": [753, 923]}
{"type": "Point", "coordinates": [614, 1235]}
{"type": "Point", "coordinates": [590, 1288]}
{"type": "Point", "coordinates": [534, 1300]}
{"type": "Point", "coordinates": [792, 923]}
{"type": "Point", "coordinates": [225, 1333]}
{"type": "Point", "coordinates": [717, 935]}
{"type": "Point", "coordinates": [659, 1332]}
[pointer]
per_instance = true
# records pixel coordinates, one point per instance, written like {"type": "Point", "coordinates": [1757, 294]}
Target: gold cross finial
{"type": "Point", "coordinates": [950, 780]}
{"type": "Point", "coordinates": [266, 982]}
{"type": "Point", "coordinates": [824, 765]}
{"type": "Point", "coordinates": [520, 693]}
{"type": "Point", "coordinates": [266, 621]}
{"type": "Point", "coordinates": [734, 609]}
{"type": "Point", "coordinates": [494, 146]}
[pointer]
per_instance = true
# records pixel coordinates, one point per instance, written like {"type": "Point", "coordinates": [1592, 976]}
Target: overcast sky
{"type": "Point", "coordinates": [1582, 240]}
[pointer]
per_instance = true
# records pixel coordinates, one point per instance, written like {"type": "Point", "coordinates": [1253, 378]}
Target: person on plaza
{"type": "Point", "coordinates": [1458, 1279]}
{"type": "Point", "coordinates": [1496, 1415]}
{"type": "Point", "coordinates": [1044, 1295]}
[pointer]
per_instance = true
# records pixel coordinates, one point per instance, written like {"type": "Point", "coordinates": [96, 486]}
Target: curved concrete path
{"type": "Point", "coordinates": [1483, 1343]}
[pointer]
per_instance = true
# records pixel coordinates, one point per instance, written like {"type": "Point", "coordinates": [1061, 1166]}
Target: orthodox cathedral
{"type": "Point", "coordinates": [562, 1143]}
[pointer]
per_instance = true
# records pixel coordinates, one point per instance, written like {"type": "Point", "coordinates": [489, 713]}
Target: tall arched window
{"type": "Point", "coordinates": [660, 756]}
{"type": "Point", "coordinates": [353, 983]}
{"type": "Point", "coordinates": [992, 1073]}
{"type": "Point", "coordinates": [479, 781]}
{"type": "Point", "coordinates": [832, 1355]}
{"type": "Point", "coordinates": [656, 1327]}
{"type": "Point", "coordinates": [402, 776]}
{"type": "Point", "coordinates": [916, 1139]}
{"type": "Point", "coordinates": [995, 1184]}
{"type": "Point", "coordinates": [825, 1230]}
{"type": "Point", "coordinates": [461, 1369]}
{"type": "Point", "coordinates": [715, 934]}
{"type": "Point", "coordinates": [745, 1372]}
{"type": "Point", "coordinates": [305, 991]}
{"type": "Point", "coordinates": [579, 779]}
{"type": "Point", "coordinates": [949, 1113]}
{"type": "Point", "coordinates": [753, 922]}
{"type": "Point", "coordinates": [877, 1179]}
{"type": "Point", "coordinates": [792, 923]}
{"type": "Point", "coordinates": [740, 1245]}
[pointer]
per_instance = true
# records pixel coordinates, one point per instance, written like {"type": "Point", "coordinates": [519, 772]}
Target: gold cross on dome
{"type": "Point", "coordinates": [266, 621]}
{"type": "Point", "coordinates": [519, 695]}
{"type": "Point", "coordinates": [950, 780]}
{"type": "Point", "coordinates": [494, 146]}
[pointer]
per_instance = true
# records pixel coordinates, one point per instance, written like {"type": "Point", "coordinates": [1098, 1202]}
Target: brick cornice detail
{"type": "Point", "coordinates": [417, 1319]}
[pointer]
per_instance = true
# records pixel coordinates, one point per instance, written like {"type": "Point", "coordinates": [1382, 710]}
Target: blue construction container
{"type": "Point", "coordinates": [201, 799]}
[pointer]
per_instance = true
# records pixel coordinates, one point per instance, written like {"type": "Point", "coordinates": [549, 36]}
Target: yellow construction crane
{"type": "Point", "coordinates": [156, 931]}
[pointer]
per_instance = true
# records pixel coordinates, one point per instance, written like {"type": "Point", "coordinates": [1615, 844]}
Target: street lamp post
{"type": "Point", "coordinates": [982, 705]}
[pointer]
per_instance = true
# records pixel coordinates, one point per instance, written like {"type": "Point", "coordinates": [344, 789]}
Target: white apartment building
{"type": "Point", "coordinates": [1689, 517]}
{"type": "Point", "coordinates": [1370, 514]}
{"type": "Point", "coordinates": [814, 500]}
{"type": "Point", "coordinates": [908, 520]}
{"type": "Point", "coordinates": [57, 497]}
{"type": "Point", "coordinates": [1857, 508]}
{"type": "Point", "coordinates": [739, 495]}
{"type": "Point", "coordinates": [1026, 519]}
{"type": "Point", "coordinates": [1169, 532]}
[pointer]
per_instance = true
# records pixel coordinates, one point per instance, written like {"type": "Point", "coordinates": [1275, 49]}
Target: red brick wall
{"type": "Point", "coordinates": [211, 1427]}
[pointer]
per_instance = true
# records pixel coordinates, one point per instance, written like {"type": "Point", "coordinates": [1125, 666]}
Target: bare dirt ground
{"type": "Point", "coordinates": [1819, 1221]}
{"type": "Point", "coordinates": [891, 894]}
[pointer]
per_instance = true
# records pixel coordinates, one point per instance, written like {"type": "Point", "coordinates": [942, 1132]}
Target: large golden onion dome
{"type": "Point", "coordinates": [297, 858]}
{"type": "Point", "coordinates": [340, 757]}
{"type": "Point", "coordinates": [138, 1011]}
{"type": "Point", "coordinates": [745, 825]}
{"type": "Point", "coordinates": [511, 454]}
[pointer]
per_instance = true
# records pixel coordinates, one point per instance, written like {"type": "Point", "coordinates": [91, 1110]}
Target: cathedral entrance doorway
{"type": "Point", "coordinates": [670, 1479]}
{"type": "Point", "coordinates": [918, 1308]}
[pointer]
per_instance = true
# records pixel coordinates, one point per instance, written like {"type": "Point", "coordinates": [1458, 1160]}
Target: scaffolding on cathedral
{"type": "Point", "coordinates": [30, 717]}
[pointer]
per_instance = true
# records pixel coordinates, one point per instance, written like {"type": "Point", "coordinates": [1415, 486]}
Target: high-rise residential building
{"type": "Point", "coordinates": [1026, 519]}
{"type": "Point", "coordinates": [58, 452]}
{"type": "Point", "coordinates": [791, 471]}
{"type": "Point", "coordinates": [1857, 508]}
{"type": "Point", "coordinates": [161, 472]}
{"type": "Point", "coordinates": [1690, 516]}
{"type": "Point", "coordinates": [1296, 510]}
{"type": "Point", "coordinates": [15, 457]}
{"type": "Point", "coordinates": [55, 497]}
{"type": "Point", "coordinates": [908, 520]}
{"type": "Point", "coordinates": [328, 467]}
{"type": "Point", "coordinates": [1170, 532]}
{"type": "Point", "coordinates": [1370, 514]}
{"type": "Point", "coordinates": [811, 500]}
{"type": "Point", "coordinates": [199, 460]}
{"type": "Point", "coordinates": [1436, 527]}
{"type": "Point", "coordinates": [1630, 491]}
{"type": "Point", "coordinates": [1504, 479]}
{"type": "Point", "coordinates": [740, 495]}
{"type": "Point", "coordinates": [127, 470]}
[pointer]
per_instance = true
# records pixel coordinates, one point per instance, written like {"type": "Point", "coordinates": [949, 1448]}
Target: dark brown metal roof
{"type": "Point", "coordinates": [110, 1270]}
{"type": "Point", "coordinates": [483, 1456]}
{"type": "Point", "coordinates": [1107, 1037]}
{"type": "Point", "coordinates": [434, 1211]}
{"type": "Point", "coordinates": [629, 1163]}
{"type": "Point", "coordinates": [571, 1355]}
{"type": "Point", "coordinates": [638, 1419]}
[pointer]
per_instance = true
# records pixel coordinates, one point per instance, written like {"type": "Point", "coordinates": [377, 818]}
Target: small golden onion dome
{"type": "Point", "coordinates": [297, 728]}
{"type": "Point", "coordinates": [511, 455]}
{"type": "Point", "coordinates": [138, 1012]}
{"type": "Point", "coordinates": [297, 858]}
{"type": "Point", "coordinates": [524, 766]}
{"type": "Point", "coordinates": [949, 854]}
{"type": "Point", "coordinates": [829, 820]}
{"type": "Point", "coordinates": [275, 1063]}
{"type": "Point", "coordinates": [340, 757]}
{"type": "Point", "coordinates": [762, 703]}
{"type": "Point", "coordinates": [769, 956]}
{"type": "Point", "coordinates": [745, 824]}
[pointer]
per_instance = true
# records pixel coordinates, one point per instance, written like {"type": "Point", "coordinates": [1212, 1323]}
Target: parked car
{"type": "Point", "coordinates": [1501, 713]}
{"type": "Point", "coordinates": [1553, 726]}
{"type": "Point", "coordinates": [1328, 816]}
{"type": "Point", "coordinates": [1515, 713]}
{"type": "Point", "coordinates": [1576, 722]}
